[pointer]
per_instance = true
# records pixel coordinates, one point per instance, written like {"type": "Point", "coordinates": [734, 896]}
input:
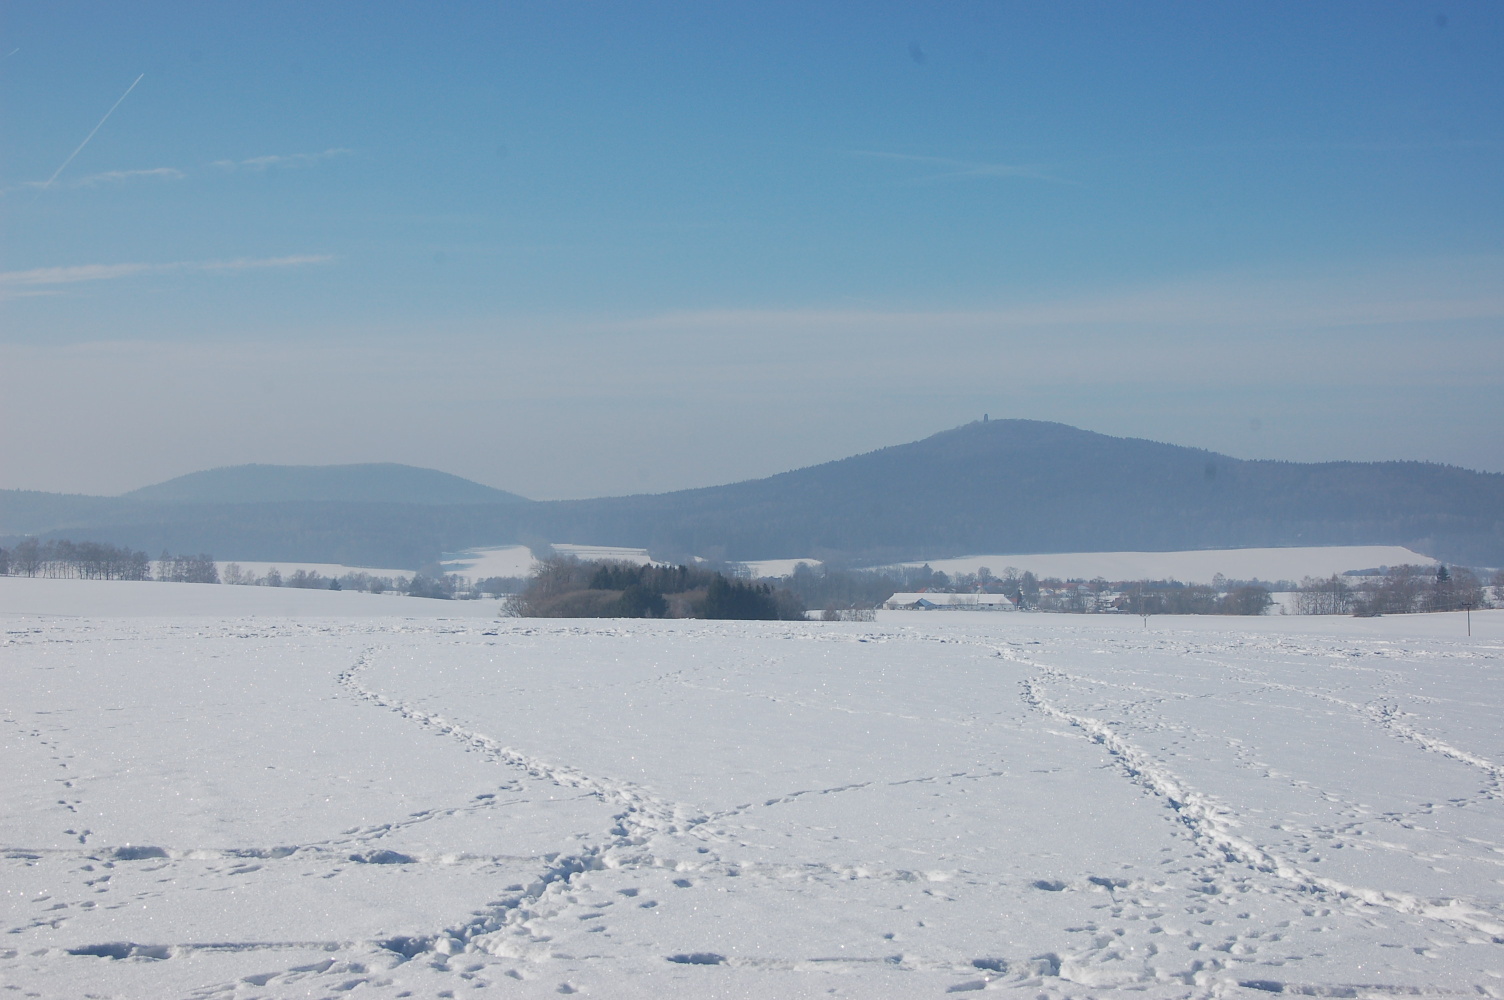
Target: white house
{"type": "Point", "coordinates": [948, 602]}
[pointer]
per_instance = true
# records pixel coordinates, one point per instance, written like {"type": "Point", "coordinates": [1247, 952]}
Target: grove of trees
{"type": "Point", "coordinates": [568, 587]}
{"type": "Point", "coordinates": [187, 569]}
{"type": "Point", "coordinates": [60, 559]}
{"type": "Point", "coordinates": [1195, 599]}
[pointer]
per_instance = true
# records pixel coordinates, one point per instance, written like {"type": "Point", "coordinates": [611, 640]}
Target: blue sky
{"type": "Point", "coordinates": [579, 249]}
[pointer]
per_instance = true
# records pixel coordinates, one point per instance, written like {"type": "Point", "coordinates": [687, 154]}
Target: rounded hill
{"type": "Point", "coordinates": [385, 482]}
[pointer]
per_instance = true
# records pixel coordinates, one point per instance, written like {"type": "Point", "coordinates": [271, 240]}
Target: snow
{"type": "Point", "coordinates": [479, 564]}
{"type": "Point", "coordinates": [517, 560]}
{"type": "Point", "coordinates": [616, 552]}
{"type": "Point", "coordinates": [1045, 805]}
{"type": "Point", "coordinates": [777, 568]}
{"type": "Point", "coordinates": [1197, 566]}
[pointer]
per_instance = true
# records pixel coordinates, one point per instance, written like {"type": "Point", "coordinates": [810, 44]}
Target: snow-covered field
{"type": "Point", "coordinates": [103, 599]}
{"type": "Point", "coordinates": [505, 560]}
{"type": "Point", "coordinates": [777, 568]}
{"type": "Point", "coordinates": [1056, 806]}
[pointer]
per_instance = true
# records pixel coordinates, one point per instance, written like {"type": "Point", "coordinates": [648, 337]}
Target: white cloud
{"type": "Point", "coordinates": [69, 275]}
{"type": "Point", "coordinates": [282, 160]}
{"type": "Point", "coordinates": [41, 280]}
{"type": "Point", "coordinates": [118, 176]}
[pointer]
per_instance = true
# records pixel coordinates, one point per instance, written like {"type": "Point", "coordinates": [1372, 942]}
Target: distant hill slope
{"type": "Point", "coordinates": [31, 512]}
{"type": "Point", "coordinates": [1030, 486]}
{"type": "Point", "coordinates": [1005, 486]}
{"type": "Point", "coordinates": [373, 483]}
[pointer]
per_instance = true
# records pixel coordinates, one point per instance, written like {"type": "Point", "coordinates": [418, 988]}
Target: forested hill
{"type": "Point", "coordinates": [372, 483]}
{"type": "Point", "coordinates": [1029, 486]}
{"type": "Point", "coordinates": [1006, 486]}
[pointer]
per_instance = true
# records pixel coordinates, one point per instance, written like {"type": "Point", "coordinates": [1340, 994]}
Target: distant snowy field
{"type": "Point", "coordinates": [105, 599]}
{"type": "Point", "coordinates": [1196, 566]}
{"type": "Point", "coordinates": [517, 560]}
{"type": "Point", "coordinates": [1056, 806]}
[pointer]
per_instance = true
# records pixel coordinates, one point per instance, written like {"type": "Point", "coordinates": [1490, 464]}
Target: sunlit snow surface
{"type": "Point", "coordinates": [1057, 806]}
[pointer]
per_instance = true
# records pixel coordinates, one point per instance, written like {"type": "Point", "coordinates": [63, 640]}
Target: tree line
{"type": "Point", "coordinates": [433, 584]}
{"type": "Point", "coordinates": [60, 559]}
{"type": "Point", "coordinates": [1143, 598]}
{"type": "Point", "coordinates": [1398, 590]}
{"type": "Point", "coordinates": [845, 593]}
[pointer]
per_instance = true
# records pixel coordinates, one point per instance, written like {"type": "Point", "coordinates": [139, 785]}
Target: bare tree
{"type": "Point", "coordinates": [1332, 596]}
{"type": "Point", "coordinates": [1399, 592]}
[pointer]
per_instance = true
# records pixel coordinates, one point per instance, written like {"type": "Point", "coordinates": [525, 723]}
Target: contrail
{"type": "Point", "coordinates": [81, 145]}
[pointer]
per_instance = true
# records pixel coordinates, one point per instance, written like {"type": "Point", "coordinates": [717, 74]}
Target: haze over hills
{"type": "Point", "coordinates": [1014, 486]}
{"type": "Point", "coordinates": [385, 482]}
